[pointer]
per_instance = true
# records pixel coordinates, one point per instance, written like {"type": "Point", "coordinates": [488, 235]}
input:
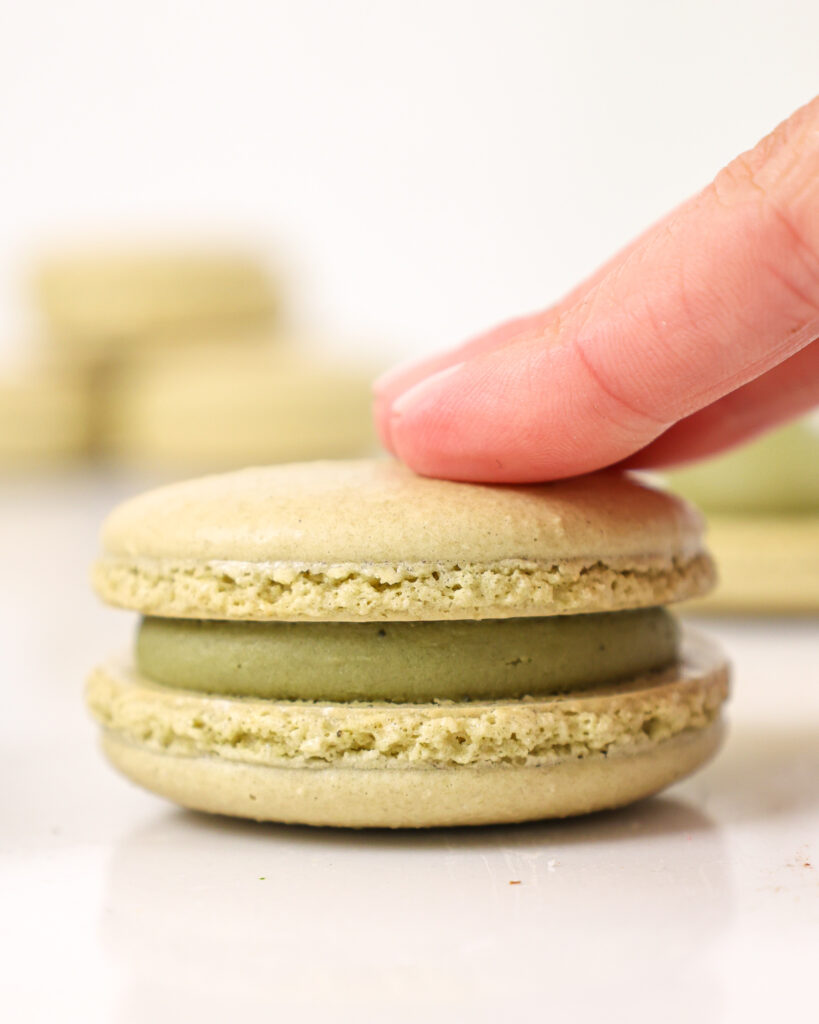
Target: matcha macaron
{"type": "Point", "coordinates": [345, 643]}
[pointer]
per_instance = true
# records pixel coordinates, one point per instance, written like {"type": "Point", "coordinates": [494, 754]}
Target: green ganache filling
{"type": "Point", "coordinates": [413, 662]}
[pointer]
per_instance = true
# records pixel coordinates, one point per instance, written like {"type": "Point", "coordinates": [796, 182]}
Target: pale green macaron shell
{"type": "Point", "coordinates": [776, 475]}
{"type": "Point", "coordinates": [405, 661]}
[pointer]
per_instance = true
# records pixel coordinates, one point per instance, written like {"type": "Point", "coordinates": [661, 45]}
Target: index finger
{"type": "Point", "coordinates": [712, 298]}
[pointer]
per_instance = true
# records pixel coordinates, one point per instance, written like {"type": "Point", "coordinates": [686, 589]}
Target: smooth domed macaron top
{"type": "Point", "coordinates": [379, 511]}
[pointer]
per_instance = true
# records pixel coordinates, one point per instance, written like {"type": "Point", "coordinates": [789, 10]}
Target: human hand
{"type": "Point", "coordinates": [700, 334]}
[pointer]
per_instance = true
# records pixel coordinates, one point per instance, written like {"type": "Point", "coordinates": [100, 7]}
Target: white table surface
{"type": "Point", "coordinates": [700, 905]}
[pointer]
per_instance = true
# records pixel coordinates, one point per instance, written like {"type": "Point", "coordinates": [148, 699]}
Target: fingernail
{"type": "Point", "coordinates": [422, 391]}
{"type": "Point", "coordinates": [388, 378]}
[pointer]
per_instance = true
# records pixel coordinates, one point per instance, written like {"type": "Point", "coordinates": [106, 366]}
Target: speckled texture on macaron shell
{"type": "Point", "coordinates": [370, 541]}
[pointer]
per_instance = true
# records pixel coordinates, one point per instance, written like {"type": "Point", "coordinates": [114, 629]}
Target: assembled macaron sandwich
{"type": "Point", "coordinates": [346, 643]}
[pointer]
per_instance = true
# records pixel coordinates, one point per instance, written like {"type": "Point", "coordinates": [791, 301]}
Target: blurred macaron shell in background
{"type": "Point", "coordinates": [45, 415]}
{"type": "Point", "coordinates": [221, 405]}
{"type": "Point", "coordinates": [762, 506]}
{"type": "Point", "coordinates": [174, 359]}
{"type": "Point", "coordinates": [96, 299]}
{"type": "Point", "coordinates": [776, 474]}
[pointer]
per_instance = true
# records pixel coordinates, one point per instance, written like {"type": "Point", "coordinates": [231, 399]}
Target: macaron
{"type": "Point", "coordinates": [97, 301]}
{"type": "Point", "coordinates": [45, 416]}
{"type": "Point", "coordinates": [762, 507]}
{"type": "Point", "coordinates": [208, 407]}
{"type": "Point", "coordinates": [348, 644]}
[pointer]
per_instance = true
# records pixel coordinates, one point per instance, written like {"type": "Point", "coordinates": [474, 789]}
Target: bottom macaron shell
{"type": "Point", "coordinates": [415, 797]}
{"type": "Point", "coordinates": [416, 765]}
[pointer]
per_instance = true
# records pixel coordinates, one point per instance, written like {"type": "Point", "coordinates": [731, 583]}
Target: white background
{"type": "Point", "coordinates": [417, 169]}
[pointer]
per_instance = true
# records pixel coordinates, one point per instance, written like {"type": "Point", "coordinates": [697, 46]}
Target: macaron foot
{"type": "Point", "coordinates": [414, 797]}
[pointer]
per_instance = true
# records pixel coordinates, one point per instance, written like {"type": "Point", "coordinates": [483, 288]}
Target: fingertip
{"type": "Point", "coordinates": [381, 419]}
{"type": "Point", "coordinates": [424, 393]}
{"type": "Point", "coordinates": [392, 381]}
{"type": "Point", "coordinates": [533, 414]}
{"type": "Point", "coordinates": [406, 375]}
{"type": "Point", "coordinates": [388, 388]}
{"type": "Point", "coordinates": [452, 426]}
{"type": "Point", "coordinates": [424, 426]}
{"type": "Point", "coordinates": [391, 400]}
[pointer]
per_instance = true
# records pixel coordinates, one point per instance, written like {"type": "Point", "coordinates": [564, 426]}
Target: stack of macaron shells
{"type": "Point", "coordinates": [346, 643]}
{"type": "Point", "coordinates": [179, 363]}
{"type": "Point", "coordinates": [99, 310]}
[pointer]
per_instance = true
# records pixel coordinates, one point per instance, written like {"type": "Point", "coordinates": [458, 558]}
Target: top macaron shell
{"type": "Point", "coordinates": [370, 540]}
